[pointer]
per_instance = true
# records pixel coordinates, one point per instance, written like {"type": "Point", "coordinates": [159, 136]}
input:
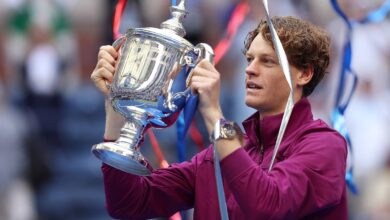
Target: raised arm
{"type": "Point", "coordinates": [128, 196]}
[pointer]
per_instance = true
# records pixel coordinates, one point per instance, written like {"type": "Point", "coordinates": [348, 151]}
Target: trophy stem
{"type": "Point", "coordinates": [132, 135]}
{"type": "Point", "coordinates": [124, 153]}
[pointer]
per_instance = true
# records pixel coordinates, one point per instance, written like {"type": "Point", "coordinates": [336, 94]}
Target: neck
{"type": "Point", "coordinates": [264, 113]}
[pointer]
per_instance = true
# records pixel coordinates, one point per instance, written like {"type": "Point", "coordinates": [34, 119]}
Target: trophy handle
{"type": "Point", "coordinates": [204, 51]}
{"type": "Point", "coordinates": [118, 42]}
{"type": "Point", "coordinates": [118, 46]}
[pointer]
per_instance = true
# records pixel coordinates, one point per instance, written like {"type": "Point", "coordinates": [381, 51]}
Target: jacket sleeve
{"type": "Point", "coordinates": [161, 194]}
{"type": "Point", "coordinates": [310, 179]}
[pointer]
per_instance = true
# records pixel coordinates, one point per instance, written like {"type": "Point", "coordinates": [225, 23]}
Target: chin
{"type": "Point", "coordinates": [252, 104]}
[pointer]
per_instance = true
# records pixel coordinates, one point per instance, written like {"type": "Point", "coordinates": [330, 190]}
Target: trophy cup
{"type": "Point", "coordinates": [150, 87]}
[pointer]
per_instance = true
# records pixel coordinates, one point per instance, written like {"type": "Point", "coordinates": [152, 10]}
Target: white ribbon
{"type": "Point", "coordinates": [282, 57]}
{"type": "Point", "coordinates": [220, 189]}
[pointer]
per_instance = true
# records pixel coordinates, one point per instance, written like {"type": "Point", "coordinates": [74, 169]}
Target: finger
{"type": "Point", "coordinates": [105, 64]}
{"type": "Point", "coordinates": [102, 86]}
{"type": "Point", "coordinates": [200, 71]}
{"type": "Point", "coordinates": [110, 69]}
{"type": "Point", "coordinates": [105, 55]}
{"type": "Point", "coordinates": [109, 49]}
{"type": "Point", "coordinates": [194, 88]}
{"type": "Point", "coordinates": [205, 74]}
{"type": "Point", "coordinates": [99, 81]}
{"type": "Point", "coordinates": [105, 74]}
{"type": "Point", "coordinates": [207, 65]}
{"type": "Point", "coordinates": [204, 83]}
{"type": "Point", "coordinates": [200, 87]}
{"type": "Point", "coordinates": [203, 68]}
{"type": "Point", "coordinates": [102, 74]}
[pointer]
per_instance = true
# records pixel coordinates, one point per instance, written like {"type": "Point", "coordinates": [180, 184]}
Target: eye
{"type": "Point", "coordinates": [249, 59]}
{"type": "Point", "coordinates": [268, 61]}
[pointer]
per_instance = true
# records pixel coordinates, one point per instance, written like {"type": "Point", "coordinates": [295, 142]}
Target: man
{"type": "Point", "coordinates": [307, 180]}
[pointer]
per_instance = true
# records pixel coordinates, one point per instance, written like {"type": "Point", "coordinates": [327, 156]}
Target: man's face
{"type": "Point", "coordinates": [267, 89]}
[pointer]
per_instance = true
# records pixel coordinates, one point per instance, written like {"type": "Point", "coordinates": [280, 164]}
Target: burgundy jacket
{"type": "Point", "coordinates": [306, 182]}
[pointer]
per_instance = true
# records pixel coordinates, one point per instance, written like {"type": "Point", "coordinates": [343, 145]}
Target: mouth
{"type": "Point", "coordinates": [252, 85]}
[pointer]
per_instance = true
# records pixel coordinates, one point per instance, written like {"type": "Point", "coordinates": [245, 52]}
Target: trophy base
{"type": "Point", "coordinates": [122, 158]}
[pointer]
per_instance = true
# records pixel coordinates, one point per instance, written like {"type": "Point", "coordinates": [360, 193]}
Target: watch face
{"type": "Point", "coordinates": [228, 131]}
{"type": "Point", "coordinates": [225, 130]}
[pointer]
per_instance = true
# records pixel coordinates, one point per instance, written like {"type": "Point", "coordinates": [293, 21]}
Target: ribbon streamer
{"type": "Point", "coordinates": [238, 16]}
{"type": "Point", "coordinates": [282, 57]}
{"type": "Point", "coordinates": [378, 14]}
{"type": "Point", "coordinates": [181, 133]}
{"type": "Point", "coordinates": [157, 150]}
{"type": "Point", "coordinates": [340, 107]}
{"type": "Point", "coordinates": [346, 70]}
{"type": "Point", "coordinates": [120, 7]}
{"type": "Point", "coordinates": [220, 189]}
{"type": "Point", "coordinates": [196, 136]}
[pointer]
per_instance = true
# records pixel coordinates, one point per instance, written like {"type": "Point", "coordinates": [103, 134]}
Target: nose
{"type": "Point", "coordinates": [250, 70]}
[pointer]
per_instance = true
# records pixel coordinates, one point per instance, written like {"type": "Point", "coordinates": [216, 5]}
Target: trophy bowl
{"type": "Point", "coordinates": [150, 87]}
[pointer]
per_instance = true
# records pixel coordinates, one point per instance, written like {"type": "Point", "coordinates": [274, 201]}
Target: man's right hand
{"type": "Point", "coordinates": [105, 67]}
{"type": "Point", "coordinates": [102, 75]}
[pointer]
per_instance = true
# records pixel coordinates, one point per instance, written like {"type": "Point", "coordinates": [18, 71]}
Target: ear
{"type": "Point", "coordinates": [304, 76]}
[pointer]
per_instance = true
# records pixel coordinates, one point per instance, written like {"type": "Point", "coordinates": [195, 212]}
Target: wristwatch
{"type": "Point", "coordinates": [224, 129]}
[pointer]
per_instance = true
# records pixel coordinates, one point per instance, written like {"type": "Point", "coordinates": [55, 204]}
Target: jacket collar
{"type": "Point", "coordinates": [265, 131]}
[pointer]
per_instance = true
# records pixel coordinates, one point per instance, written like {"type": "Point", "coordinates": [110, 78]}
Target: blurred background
{"type": "Point", "coordinates": [51, 114]}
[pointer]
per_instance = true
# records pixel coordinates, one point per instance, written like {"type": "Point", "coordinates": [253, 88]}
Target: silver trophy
{"type": "Point", "coordinates": [150, 87]}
